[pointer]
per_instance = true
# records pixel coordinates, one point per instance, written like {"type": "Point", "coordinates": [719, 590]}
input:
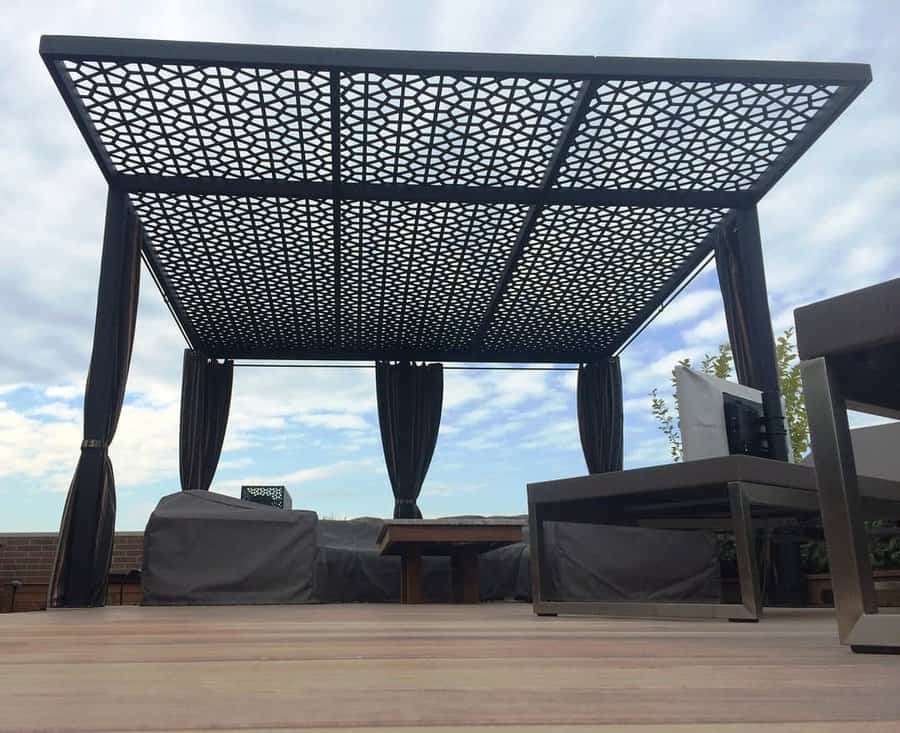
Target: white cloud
{"type": "Point", "coordinates": [636, 404]}
{"type": "Point", "coordinates": [57, 410]}
{"type": "Point", "coordinates": [513, 388]}
{"type": "Point", "coordinates": [227, 464]}
{"type": "Point", "coordinates": [489, 437]}
{"type": "Point", "coordinates": [293, 478]}
{"type": "Point", "coordinates": [43, 452]}
{"type": "Point", "coordinates": [561, 434]}
{"type": "Point", "coordinates": [64, 392]}
{"type": "Point", "coordinates": [712, 329]}
{"type": "Point", "coordinates": [463, 387]}
{"type": "Point", "coordinates": [477, 415]}
{"type": "Point", "coordinates": [652, 451]}
{"type": "Point", "coordinates": [689, 306]}
{"type": "Point", "coordinates": [439, 488]}
{"type": "Point", "coordinates": [657, 369]}
{"type": "Point", "coordinates": [334, 420]}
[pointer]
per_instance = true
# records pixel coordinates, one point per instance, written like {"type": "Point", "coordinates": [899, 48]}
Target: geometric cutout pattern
{"type": "Point", "coordinates": [699, 136]}
{"type": "Point", "coordinates": [324, 203]}
{"type": "Point", "coordinates": [440, 130]}
{"type": "Point", "coordinates": [420, 276]}
{"type": "Point", "coordinates": [586, 272]}
{"type": "Point", "coordinates": [209, 121]}
{"type": "Point", "coordinates": [251, 274]}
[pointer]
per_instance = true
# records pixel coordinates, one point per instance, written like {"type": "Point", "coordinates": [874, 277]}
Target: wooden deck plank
{"type": "Point", "coordinates": [432, 667]}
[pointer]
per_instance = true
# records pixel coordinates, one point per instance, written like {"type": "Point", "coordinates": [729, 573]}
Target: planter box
{"type": "Point", "coordinates": [887, 588]}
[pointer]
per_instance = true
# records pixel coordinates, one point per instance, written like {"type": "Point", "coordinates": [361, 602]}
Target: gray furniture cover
{"type": "Point", "coordinates": [585, 562]}
{"type": "Point", "coordinates": [604, 563]}
{"type": "Point", "coordinates": [348, 567]}
{"type": "Point", "coordinates": [208, 549]}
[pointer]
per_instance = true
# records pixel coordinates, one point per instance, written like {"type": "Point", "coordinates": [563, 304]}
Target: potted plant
{"type": "Point", "coordinates": [884, 555]}
{"type": "Point", "coordinates": [884, 537]}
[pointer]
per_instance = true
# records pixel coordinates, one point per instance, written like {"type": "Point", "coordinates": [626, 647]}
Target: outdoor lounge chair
{"type": "Point", "coordinates": [850, 352]}
{"type": "Point", "coordinates": [731, 492]}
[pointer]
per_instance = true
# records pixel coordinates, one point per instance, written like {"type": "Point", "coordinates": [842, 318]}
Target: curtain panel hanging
{"type": "Point", "coordinates": [410, 397]}
{"type": "Point", "coordinates": [205, 402]}
{"type": "Point", "coordinates": [742, 281]}
{"type": "Point", "coordinates": [84, 547]}
{"type": "Point", "coordinates": [600, 418]}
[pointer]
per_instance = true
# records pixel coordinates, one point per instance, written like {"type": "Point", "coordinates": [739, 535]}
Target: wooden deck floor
{"type": "Point", "coordinates": [349, 667]}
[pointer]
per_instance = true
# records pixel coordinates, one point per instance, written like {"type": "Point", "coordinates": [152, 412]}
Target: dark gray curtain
{"type": "Point", "coordinates": [600, 416]}
{"type": "Point", "coordinates": [205, 401]}
{"type": "Point", "coordinates": [742, 280]}
{"type": "Point", "coordinates": [84, 548]}
{"type": "Point", "coordinates": [409, 413]}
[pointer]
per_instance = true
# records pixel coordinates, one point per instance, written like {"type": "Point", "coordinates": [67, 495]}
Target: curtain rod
{"type": "Point", "coordinates": [372, 366]}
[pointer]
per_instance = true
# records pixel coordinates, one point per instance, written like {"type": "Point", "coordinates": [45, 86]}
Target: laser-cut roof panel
{"type": "Point", "coordinates": [695, 135]}
{"type": "Point", "coordinates": [335, 203]}
{"type": "Point", "coordinates": [587, 272]}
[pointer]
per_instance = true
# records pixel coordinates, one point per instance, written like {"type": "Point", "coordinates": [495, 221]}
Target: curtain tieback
{"type": "Point", "coordinates": [94, 443]}
{"type": "Point", "coordinates": [404, 501]}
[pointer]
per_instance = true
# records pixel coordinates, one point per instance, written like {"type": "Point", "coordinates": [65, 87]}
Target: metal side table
{"type": "Point", "coordinates": [849, 348]}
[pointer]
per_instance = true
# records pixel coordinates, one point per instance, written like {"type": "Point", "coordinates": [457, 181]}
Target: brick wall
{"type": "Point", "coordinates": [29, 557]}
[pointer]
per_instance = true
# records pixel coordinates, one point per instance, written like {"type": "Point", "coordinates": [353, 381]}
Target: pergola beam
{"type": "Point", "coordinates": [415, 192]}
{"type": "Point", "coordinates": [125, 50]}
{"type": "Point", "coordinates": [417, 354]}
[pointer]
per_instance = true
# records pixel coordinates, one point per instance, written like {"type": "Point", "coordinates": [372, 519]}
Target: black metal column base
{"type": "Point", "coordinates": [865, 649]}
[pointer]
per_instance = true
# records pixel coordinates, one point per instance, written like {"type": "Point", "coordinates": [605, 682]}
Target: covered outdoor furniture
{"type": "Point", "coordinates": [849, 348]}
{"type": "Point", "coordinates": [585, 562]}
{"type": "Point", "coordinates": [206, 548]}
{"type": "Point", "coordinates": [732, 492]}
{"type": "Point", "coordinates": [202, 548]}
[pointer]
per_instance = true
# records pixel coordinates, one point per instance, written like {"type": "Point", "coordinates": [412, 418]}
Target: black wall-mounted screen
{"type": "Point", "coordinates": [744, 426]}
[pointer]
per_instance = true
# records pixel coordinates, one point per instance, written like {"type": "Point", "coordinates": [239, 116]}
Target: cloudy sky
{"type": "Point", "coordinates": [829, 226]}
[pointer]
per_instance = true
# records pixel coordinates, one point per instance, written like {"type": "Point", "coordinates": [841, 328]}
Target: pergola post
{"type": "Point", "coordinates": [742, 280]}
{"type": "Point", "coordinates": [84, 548]}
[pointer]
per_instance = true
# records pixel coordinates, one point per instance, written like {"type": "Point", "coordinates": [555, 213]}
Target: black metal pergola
{"type": "Point", "coordinates": [332, 203]}
{"type": "Point", "coordinates": [318, 204]}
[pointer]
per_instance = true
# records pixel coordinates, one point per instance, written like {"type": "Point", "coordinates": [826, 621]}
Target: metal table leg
{"type": "Point", "coordinates": [748, 569]}
{"type": "Point", "coordinates": [855, 602]}
{"type": "Point", "coordinates": [537, 557]}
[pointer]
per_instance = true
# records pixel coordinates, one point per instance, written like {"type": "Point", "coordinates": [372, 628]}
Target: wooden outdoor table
{"type": "Point", "coordinates": [462, 540]}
